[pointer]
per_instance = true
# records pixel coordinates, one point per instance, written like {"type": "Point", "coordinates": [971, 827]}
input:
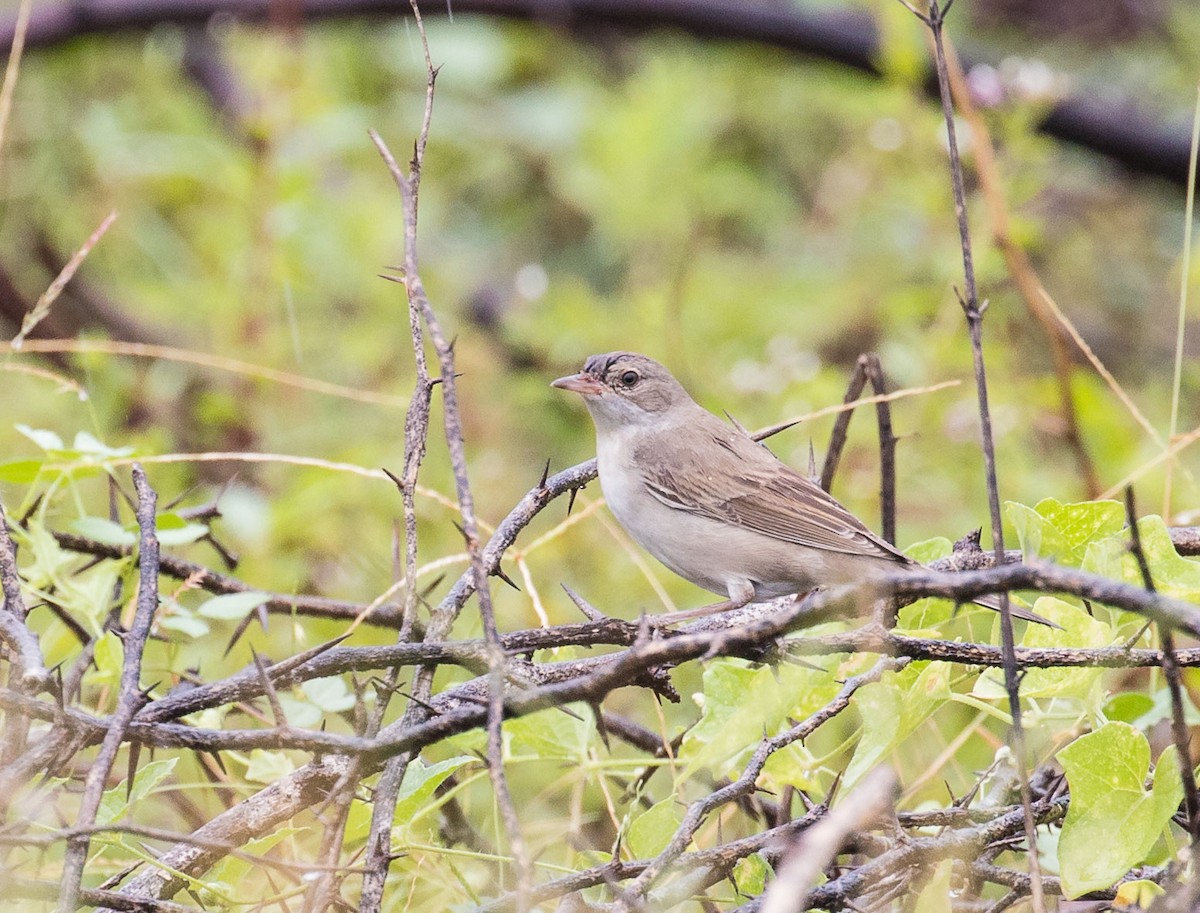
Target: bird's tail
{"type": "Point", "coordinates": [993, 603]}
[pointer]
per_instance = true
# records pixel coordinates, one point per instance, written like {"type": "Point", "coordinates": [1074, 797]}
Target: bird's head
{"type": "Point", "coordinates": [622, 389]}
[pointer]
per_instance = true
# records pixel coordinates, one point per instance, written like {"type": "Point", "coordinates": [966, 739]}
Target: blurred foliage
{"type": "Point", "coordinates": [754, 220]}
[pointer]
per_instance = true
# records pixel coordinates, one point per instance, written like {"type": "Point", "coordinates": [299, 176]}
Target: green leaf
{"type": "Point", "coordinates": [420, 781]}
{"type": "Point", "coordinates": [652, 830]}
{"type": "Point", "coordinates": [793, 765]}
{"type": "Point", "coordinates": [930, 549]}
{"type": "Point", "coordinates": [1173, 575]}
{"type": "Point", "coordinates": [741, 702]}
{"type": "Point", "coordinates": [20, 472]}
{"type": "Point", "coordinates": [553, 733]}
{"type": "Point", "coordinates": [1079, 630]}
{"type": "Point", "coordinates": [268, 766]}
{"type": "Point", "coordinates": [108, 657]}
{"type": "Point", "coordinates": [1062, 532]}
{"type": "Point", "coordinates": [113, 803]}
{"type": "Point", "coordinates": [187, 625]}
{"type": "Point", "coordinates": [47, 440]}
{"type": "Point", "coordinates": [88, 444]}
{"type": "Point", "coordinates": [891, 709]}
{"type": "Point", "coordinates": [183, 535]}
{"type": "Point", "coordinates": [330, 694]}
{"type": "Point", "coordinates": [104, 531]}
{"type": "Point", "coordinates": [232, 606]}
{"type": "Point", "coordinates": [750, 875]}
{"type": "Point", "coordinates": [1113, 822]}
{"type": "Point", "coordinates": [1137, 894]}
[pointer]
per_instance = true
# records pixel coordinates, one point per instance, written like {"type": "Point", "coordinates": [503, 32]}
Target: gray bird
{"type": "Point", "coordinates": [711, 503]}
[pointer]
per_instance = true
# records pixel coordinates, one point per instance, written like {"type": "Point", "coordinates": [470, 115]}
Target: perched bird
{"type": "Point", "coordinates": [711, 503]}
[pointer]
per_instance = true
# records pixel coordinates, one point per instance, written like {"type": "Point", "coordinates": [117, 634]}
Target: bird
{"type": "Point", "coordinates": [714, 505]}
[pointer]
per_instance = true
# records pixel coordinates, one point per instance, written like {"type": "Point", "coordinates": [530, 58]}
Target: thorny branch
{"type": "Point", "coordinates": [973, 310]}
{"type": "Point", "coordinates": [420, 309]}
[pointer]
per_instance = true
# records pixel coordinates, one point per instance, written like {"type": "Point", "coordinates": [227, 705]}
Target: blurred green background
{"type": "Point", "coordinates": [754, 219]}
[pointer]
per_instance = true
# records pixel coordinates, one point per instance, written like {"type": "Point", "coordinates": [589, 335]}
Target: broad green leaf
{"type": "Point", "coordinates": [891, 709]}
{"type": "Point", "coordinates": [88, 444]}
{"type": "Point", "coordinates": [420, 781]}
{"type": "Point", "coordinates": [1079, 630]}
{"type": "Point", "coordinates": [47, 440]}
{"type": "Point", "coordinates": [1138, 894]}
{"type": "Point", "coordinates": [113, 803]}
{"type": "Point", "coordinates": [88, 594]}
{"type": "Point", "coordinates": [750, 875]}
{"type": "Point", "coordinates": [268, 766]}
{"type": "Point", "coordinates": [653, 829]}
{"type": "Point", "coordinates": [20, 472]}
{"type": "Point", "coordinates": [299, 710]}
{"type": "Point", "coordinates": [793, 765]}
{"type": "Point", "coordinates": [741, 702]}
{"type": "Point", "coordinates": [553, 733]}
{"type": "Point", "coordinates": [183, 535]}
{"type": "Point", "coordinates": [329, 694]}
{"type": "Point", "coordinates": [104, 531]}
{"type": "Point", "coordinates": [1113, 822]}
{"type": "Point", "coordinates": [108, 658]}
{"type": "Point", "coordinates": [232, 606]}
{"type": "Point", "coordinates": [1128, 707]}
{"type": "Point", "coordinates": [924, 615]}
{"type": "Point", "coordinates": [231, 870]}
{"type": "Point", "coordinates": [930, 549]}
{"type": "Point", "coordinates": [186, 624]}
{"type": "Point", "coordinates": [1062, 532]}
{"type": "Point", "coordinates": [1172, 574]}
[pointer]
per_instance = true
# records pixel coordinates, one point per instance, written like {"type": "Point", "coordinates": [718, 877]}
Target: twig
{"type": "Point", "coordinates": [1020, 267]}
{"type": "Point", "coordinates": [13, 66]}
{"type": "Point", "coordinates": [130, 697]}
{"type": "Point", "coordinates": [868, 367]}
{"type": "Point", "coordinates": [935, 20]}
{"type": "Point", "coordinates": [818, 846]}
{"type": "Point", "coordinates": [42, 307]}
{"type": "Point", "coordinates": [1170, 667]}
{"type": "Point", "coordinates": [13, 631]}
{"type": "Point", "coordinates": [744, 784]}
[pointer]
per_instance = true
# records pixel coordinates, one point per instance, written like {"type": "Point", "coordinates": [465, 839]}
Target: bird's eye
{"type": "Point", "coordinates": [629, 378]}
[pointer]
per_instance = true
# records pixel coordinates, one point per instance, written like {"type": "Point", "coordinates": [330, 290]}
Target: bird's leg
{"type": "Point", "coordinates": [741, 593]}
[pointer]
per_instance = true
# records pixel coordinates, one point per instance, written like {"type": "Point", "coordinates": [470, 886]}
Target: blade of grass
{"type": "Point", "coordinates": [14, 67]}
{"type": "Point", "coordinates": [1183, 296]}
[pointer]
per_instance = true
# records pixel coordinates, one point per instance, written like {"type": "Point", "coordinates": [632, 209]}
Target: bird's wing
{"type": "Point", "coordinates": [760, 494]}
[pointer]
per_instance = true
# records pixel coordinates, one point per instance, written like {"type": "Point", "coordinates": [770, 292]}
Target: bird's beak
{"type": "Point", "coordinates": [582, 383]}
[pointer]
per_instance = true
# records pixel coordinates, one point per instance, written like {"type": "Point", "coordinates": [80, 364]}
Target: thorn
{"type": "Point", "coordinates": [812, 461]}
{"type": "Point", "coordinates": [736, 424]}
{"type": "Point", "coordinates": [395, 479]}
{"type": "Point", "coordinates": [453, 342]}
{"type": "Point", "coordinates": [601, 727]}
{"type": "Point", "coordinates": [571, 499]}
{"type": "Point", "coordinates": [498, 572]}
{"type": "Point", "coordinates": [135, 751]}
{"type": "Point", "coordinates": [545, 475]}
{"type": "Point", "coordinates": [590, 612]}
{"type": "Point", "coordinates": [399, 280]}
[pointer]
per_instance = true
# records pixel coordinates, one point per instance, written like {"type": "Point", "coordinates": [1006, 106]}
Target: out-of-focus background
{"type": "Point", "coordinates": [753, 216]}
